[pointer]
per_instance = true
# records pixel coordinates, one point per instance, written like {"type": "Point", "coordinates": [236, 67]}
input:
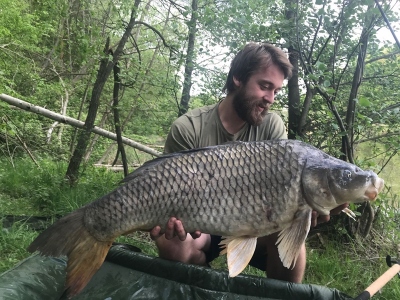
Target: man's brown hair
{"type": "Point", "coordinates": [254, 57]}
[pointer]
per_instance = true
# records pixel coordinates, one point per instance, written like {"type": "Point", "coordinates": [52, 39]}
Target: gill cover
{"type": "Point", "coordinates": [316, 189]}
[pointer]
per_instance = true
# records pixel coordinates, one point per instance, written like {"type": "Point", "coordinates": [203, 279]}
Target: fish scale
{"type": "Point", "coordinates": [241, 191]}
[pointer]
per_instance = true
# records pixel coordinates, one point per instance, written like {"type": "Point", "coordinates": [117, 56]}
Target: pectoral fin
{"type": "Point", "coordinates": [292, 238]}
{"type": "Point", "coordinates": [350, 213]}
{"type": "Point", "coordinates": [239, 251]}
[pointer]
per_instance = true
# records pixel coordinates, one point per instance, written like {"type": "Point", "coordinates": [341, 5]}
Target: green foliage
{"type": "Point", "coordinates": [29, 190]}
{"type": "Point", "coordinates": [202, 100]}
{"type": "Point", "coordinates": [49, 53]}
{"type": "Point", "coordinates": [141, 240]}
{"type": "Point", "coordinates": [42, 188]}
{"type": "Point", "coordinates": [349, 267]}
{"type": "Point", "coordinates": [13, 244]}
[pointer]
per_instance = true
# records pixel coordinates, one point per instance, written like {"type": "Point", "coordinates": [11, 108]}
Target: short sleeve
{"type": "Point", "coordinates": [180, 137]}
{"type": "Point", "coordinates": [277, 128]}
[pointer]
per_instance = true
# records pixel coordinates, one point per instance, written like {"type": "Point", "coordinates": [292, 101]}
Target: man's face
{"type": "Point", "coordinates": [253, 99]}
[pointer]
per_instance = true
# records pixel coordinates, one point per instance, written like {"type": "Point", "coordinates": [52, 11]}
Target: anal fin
{"type": "Point", "coordinates": [239, 252]}
{"type": "Point", "coordinates": [292, 238]}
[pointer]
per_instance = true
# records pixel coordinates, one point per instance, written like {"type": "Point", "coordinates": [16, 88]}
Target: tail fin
{"type": "Point", "coordinates": [68, 236]}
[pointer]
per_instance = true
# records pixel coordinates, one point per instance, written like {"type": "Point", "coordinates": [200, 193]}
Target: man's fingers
{"type": "Point", "coordinates": [317, 219]}
{"type": "Point", "coordinates": [179, 230]}
{"type": "Point", "coordinates": [155, 233]}
{"type": "Point", "coordinates": [323, 219]}
{"type": "Point", "coordinates": [314, 217]}
{"type": "Point", "coordinates": [170, 228]}
{"type": "Point", "coordinates": [196, 234]}
{"type": "Point", "coordinates": [173, 228]}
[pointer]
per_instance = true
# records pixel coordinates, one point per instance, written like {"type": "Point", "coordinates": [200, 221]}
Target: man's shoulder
{"type": "Point", "coordinates": [197, 112]}
{"type": "Point", "coordinates": [186, 130]}
{"type": "Point", "coordinates": [195, 115]}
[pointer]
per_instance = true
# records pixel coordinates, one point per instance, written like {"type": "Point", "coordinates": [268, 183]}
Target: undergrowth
{"type": "Point", "coordinates": [13, 244]}
{"type": "Point", "coordinates": [42, 190]}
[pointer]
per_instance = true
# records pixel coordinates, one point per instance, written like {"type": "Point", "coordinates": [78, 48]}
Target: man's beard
{"type": "Point", "coordinates": [247, 107]}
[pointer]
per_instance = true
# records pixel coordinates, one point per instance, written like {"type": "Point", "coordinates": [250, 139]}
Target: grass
{"type": "Point", "coordinates": [29, 189]}
{"type": "Point", "coordinates": [373, 156]}
{"type": "Point", "coordinates": [350, 266]}
{"type": "Point", "coordinates": [339, 262]}
{"type": "Point", "coordinates": [13, 244]}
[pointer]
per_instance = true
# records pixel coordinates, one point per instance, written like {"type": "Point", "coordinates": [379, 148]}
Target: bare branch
{"type": "Point", "coordinates": [378, 137]}
{"type": "Point", "coordinates": [159, 34]}
{"type": "Point", "coordinates": [389, 55]}
{"type": "Point", "coordinates": [73, 122]}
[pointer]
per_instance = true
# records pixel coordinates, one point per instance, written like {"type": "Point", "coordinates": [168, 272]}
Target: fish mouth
{"type": "Point", "coordinates": [374, 189]}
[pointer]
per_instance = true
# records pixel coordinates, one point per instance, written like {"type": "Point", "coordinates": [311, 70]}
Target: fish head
{"type": "Point", "coordinates": [332, 182]}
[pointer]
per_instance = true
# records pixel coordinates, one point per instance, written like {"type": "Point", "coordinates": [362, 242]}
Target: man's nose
{"type": "Point", "coordinates": [269, 96]}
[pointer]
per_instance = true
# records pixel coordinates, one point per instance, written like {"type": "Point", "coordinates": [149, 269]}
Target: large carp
{"type": "Point", "coordinates": [240, 190]}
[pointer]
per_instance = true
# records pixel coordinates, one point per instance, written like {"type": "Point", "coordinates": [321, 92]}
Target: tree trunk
{"type": "Point", "coordinates": [293, 83]}
{"type": "Point", "coordinates": [143, 15]}
{"type": "Point", "coordinates": [187, 83]}
{"type": "Point", "coordinates": [94, 140]}
{"type": "Point", "coordinates": [117, 124]}
{"type": "Point", "coordinates": [142, 85]}
{"type": "Point", "coordinates": [83, 101]}
{"type": "Point", "coordinates": [310, 92]}
{"type": "Point", "coordinates": [347, 143]}
{"type": "Point", "coordinates": [294, 96]}
{"type": "Point", "coordinates": [105, 69]}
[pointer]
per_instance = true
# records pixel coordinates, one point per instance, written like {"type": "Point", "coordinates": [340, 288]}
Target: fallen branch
{"type": "Point", "coordinates": [115, 168]}
{"type": "Point", "coordinates": [74, 122]}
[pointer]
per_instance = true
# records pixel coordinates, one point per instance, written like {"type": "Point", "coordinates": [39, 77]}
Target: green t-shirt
{"type": "Point", "coordinates": [202, 127]}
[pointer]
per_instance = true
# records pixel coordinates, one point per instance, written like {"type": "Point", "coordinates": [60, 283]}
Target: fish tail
{"type": "Point", "coordinates": [68, 236]}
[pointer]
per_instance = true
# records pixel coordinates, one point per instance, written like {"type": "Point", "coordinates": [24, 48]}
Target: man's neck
{"type": "Point", "coordinates": [229, 118]}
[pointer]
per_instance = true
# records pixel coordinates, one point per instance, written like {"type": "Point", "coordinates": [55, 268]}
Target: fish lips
{"type": "Point", "coordinates": [371, 194]}
{"type": "Point", "coordinates": [351, 184]}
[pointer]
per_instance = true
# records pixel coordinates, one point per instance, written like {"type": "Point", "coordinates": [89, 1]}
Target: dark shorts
{"type": "Point", "coordinates": [259, 261]}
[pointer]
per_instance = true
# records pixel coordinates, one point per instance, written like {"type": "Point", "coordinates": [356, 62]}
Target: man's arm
{"type": "Point", "coordinates": [180, 137]}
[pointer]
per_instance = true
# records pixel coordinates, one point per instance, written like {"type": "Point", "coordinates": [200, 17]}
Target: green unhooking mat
{"type": "Point", "coordinates": [131, 275]}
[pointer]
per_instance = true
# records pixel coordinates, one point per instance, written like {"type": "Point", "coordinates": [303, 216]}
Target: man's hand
{"type": "Point", "coordinates": [317, 219]}
{"type": "Point", "coordinates": [173, 228]}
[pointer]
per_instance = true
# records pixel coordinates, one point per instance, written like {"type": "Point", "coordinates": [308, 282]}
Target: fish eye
{"type": "Point", "coordinates": [347, 174]}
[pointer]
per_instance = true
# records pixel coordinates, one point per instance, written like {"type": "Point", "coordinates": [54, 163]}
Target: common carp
{"type": "Point", "coordinates": [241, 191]}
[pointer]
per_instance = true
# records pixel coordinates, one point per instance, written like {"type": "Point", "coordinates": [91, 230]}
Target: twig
{"type": "Point", "coordinates": [27, 150]}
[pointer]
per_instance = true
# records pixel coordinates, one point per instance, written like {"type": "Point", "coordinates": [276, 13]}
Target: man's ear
{"type": "Point", "coordinates": [237, 82]}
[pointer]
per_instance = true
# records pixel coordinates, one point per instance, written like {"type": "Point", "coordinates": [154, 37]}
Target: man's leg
{"type": "Point", "coordinates": [267, 252]}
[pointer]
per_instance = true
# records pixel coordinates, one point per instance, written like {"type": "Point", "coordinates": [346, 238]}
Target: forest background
{"type": "Point", "coordinates": [133, 67]}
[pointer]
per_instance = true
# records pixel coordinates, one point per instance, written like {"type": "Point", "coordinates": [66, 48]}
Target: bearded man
{"type": "Point", "coordinates": [256, 75]}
